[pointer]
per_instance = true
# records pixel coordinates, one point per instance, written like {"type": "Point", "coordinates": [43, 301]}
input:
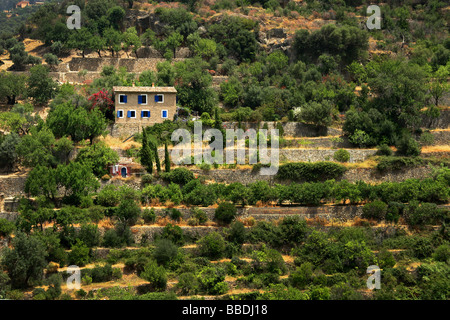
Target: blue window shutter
{"type": "Point", "coordinates": [149, 114]}
{"type": "Point", "coordinates": [118, 114]}
{"type": "Point", "coordinates": [156, 98]}
{"type": "Point", "coordinates": [129, 114]}
{"type": "Point", "coordinates": [142, 114]}
{"type": "Point", "coordinates": [125, 99]}
{"type": "Point", "coordinates": [140, 99]}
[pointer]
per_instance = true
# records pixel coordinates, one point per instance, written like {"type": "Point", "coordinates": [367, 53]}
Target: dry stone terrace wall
{"type": "Point", "coordinates": [441, 137]}
{"type": "Point", "coordinates": [291, 129]}
{"type": "Point", "coordinates": [246, 176]}
{"type": "Point", "coordinates": [442, 122]}
{"type": "Point", "coordinates": [352, 175]}
{"type": "Point", "coordinates": [12, 185]}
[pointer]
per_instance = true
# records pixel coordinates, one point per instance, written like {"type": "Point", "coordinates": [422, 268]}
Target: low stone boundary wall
{"type": "Point", "coordinates": [12, 186]}
{"type": "Point", "coordinates": [441, 137]}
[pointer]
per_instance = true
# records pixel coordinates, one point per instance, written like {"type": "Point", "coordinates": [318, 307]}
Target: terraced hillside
{"type": "Point", "coordinates": [363, 152]}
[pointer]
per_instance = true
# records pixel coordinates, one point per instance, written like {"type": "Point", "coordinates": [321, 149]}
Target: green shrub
{"type": "Point", "coordinates": [149, 215]}
{"type": "Point", "coordinates": [268, 260]}
{"type": "Point", "coordinates": [407, 146]}
{"type": "Point", "coordinates": [178, 175]}
{"type": "Point", "coordinates": [212, 245]}
{"type": "Point", "coordinates": [211, 280]}
{"type": "Point", "coordinates": [292, 230]}
{"type": "Point", "coordinates": [384, 150]}
{"type": "Point", "coordinates": [89, 235]}
{"type": "Point", "coordinates": [39, 294]}
{"type": "Point", "coordinates": [310, 171]}
{"type": "Point", "coordinates": [225, 212]}
{"type": "Point", "coordinates": [79, 254]}
{"type": "Point", "coordinates": [175, 214]}
{"type": "Point", "coordinates": [128, 211]}
{"type": "Point", "coordinates": [422, 214]}
{"type": "Point", "coordinates": [157, 296]}
{"type": "Point", "coordinates": [165, 251]}
{"type": "Point", "coordinates": [302, 276]}
{"type": "Point", "coordinates": [423, 248]}
{"type": "Point", "coordinates": [385, 259]}
{"type": "Point", "coordinates": [199, 214]}
{"type": "Point", "coordinates": [398, 163]}
{"type": "Point", "coordinates": [147, 179]}
{"type": "Point", "coordinates": [136, 263]}
{"type": "Point", "coordinates": [188, 283]}
{"type": "Point", "coordinates": [426, 139]}
{"type": "Point", "coordinates": [442, 253]}
{"type": "Point", "coordinates": [102, 273]}
{"type": "Point", "coordinates": [201, 195]}
{"type": "Point", "coordinates": [118, 237]}
{"type": "Point", "coordinates": [109, 196]}
{"type": "Point", "coordinates": [95, 213]}
{"type": "Point", "coordinates": [173, 233]}
{"type": "Point", "coordinates": [341, 155]}
{"type": "Point", "coordinates": [156, 275]}
{"type": "Point", "coordinates": [374, 210]}
{"type": "Point", "coordinates": [394, 211]}
{"type": "Point", "coordinates": [237, 233]}
{"type": "Point", "coordinates": [6, 227]}
{"type": "Point", "coordinates": [319, 293]}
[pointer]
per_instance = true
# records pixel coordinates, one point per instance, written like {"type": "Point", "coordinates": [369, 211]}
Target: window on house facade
{"type": "Point", "coordinates": [119, 113]}
{"type": "Point", "coordinates": [164, 114]}
{"type": "Point", "coordinates": [122, 98]}
{"type": "Point", "coordinates": [145, 114]}
{"type": "Point", "coordinates": [131, 114]}
{"type": "Point", "coordinates": [159, 98]}
{"type": "Point", "coordinates": [142, 99]}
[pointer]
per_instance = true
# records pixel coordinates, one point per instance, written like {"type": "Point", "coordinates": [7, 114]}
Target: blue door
{"type": "Point", "coordinates": [124, 172]}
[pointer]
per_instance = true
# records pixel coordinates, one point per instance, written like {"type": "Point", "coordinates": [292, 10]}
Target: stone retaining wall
{"type": "Point", "coordinates": [442, 122]}
{"type": "Point", "coordinates": [352, 175]}
{"type": "Point", "coordinates": [96, 64]}
{"type": "Point", "coordinates": [441, 137]}
{"type": "Point", "coordinates": [11, 185]}
{"type": "Point", "coordinates": [291, 129]}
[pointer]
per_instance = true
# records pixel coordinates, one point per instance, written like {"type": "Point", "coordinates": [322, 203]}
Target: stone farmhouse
{"type": "Point", "coordinates": [144, 105]}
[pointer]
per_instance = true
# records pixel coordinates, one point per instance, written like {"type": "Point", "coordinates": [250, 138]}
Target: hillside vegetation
{"type": "Point", "coordinates": [363, 134]}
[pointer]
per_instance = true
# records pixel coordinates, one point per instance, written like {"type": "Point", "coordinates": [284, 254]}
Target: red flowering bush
{"type": "Point", "coordinates": [103, 101]}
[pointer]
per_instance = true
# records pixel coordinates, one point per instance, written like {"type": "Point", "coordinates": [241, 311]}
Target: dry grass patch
{"type": "Point", "coordinates": [118, 143]}
{"type": "Point", "coordinates": [431, 149]}
{"type": "Point", "coordinates": [366, 164]}
{"type": "Point", "coordinates": [248, 222]}
{"type": "Point", "coordinates": [316, 221]}
{"type": "Point", "coordinates": [106, 223]}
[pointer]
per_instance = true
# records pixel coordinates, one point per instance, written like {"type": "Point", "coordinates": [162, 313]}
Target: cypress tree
{"type": "Point", "coordinates": [155, 151]}
{"type": "Point", "coordinates": [146, 153]}
{"type": "Point", "coordinates": [166, 157]}
{"type": "Point", "coordinates": [217, 120]}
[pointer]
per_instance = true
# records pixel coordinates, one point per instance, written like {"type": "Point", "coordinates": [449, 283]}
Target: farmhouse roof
{"type": "Point", "coordinates": [145, 89]}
